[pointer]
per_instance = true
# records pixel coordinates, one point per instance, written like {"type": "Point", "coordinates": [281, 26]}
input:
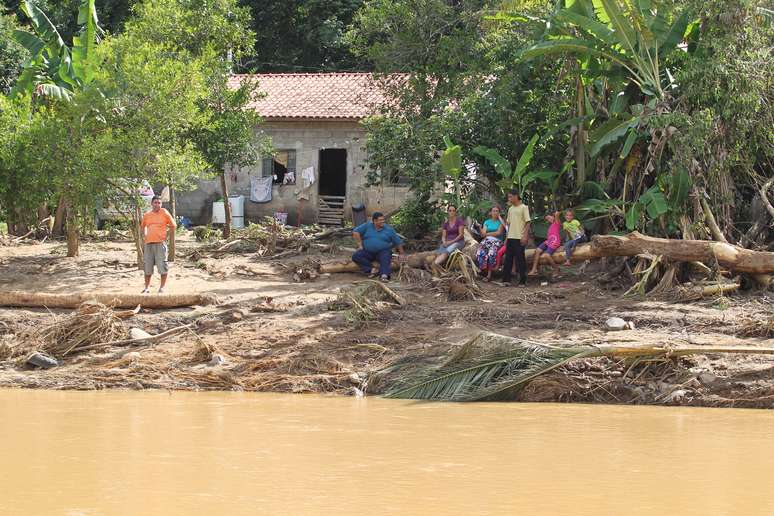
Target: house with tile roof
{"type": "Point", "coordinates": [318, 170]}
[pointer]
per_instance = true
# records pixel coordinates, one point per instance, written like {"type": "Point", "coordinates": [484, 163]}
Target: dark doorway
{"type": "Point", "coordinates": [333, 172]}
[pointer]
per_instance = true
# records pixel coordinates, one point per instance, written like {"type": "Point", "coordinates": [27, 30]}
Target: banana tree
{"type": "Point", "coordinates": [621, 42]}
{"type": "Point", "coordinates": [55, 69]}
{"type": "Point", "coordinates": [519, 177]}
{"type": "Point", "coordinates": [634, 35]}
{"type": "Point", "coordinates": [451, 164]}
{"type": "Point", "coordinates": [666, 197]}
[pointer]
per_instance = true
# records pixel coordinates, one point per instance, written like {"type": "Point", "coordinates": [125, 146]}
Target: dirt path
{"type": "Point", "coordinates": [308, 345]}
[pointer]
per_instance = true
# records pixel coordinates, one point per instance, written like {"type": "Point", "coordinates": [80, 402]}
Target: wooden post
{"type": "Point", "coordinates": [73, 238]}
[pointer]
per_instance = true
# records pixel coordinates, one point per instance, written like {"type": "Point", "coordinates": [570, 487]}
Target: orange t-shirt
{"type": "Point", "coordinates": [154, 225]}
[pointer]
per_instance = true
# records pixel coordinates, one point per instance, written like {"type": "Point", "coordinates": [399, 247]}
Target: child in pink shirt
{"type": "Point", "coordinates": [551, 243]}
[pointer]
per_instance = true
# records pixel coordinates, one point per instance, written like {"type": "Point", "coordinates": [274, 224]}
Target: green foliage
{"type": "Point", "coordinates": [195, 27]}
{"type": "Point", "coordinates": [55, 69]}
{"type": "Point", "coordinates": [612, 131]}
{"type": "Point", "coordinates": [12, 54]}
{"type": "Point", "coordinates": [417, 217]}
{"type": "Point", "coordinates": [157, 108]}
{"type": "Point", "coordinates": [723, 129]}
{"type": "Point", "coordinates": [451, 159]}
{"type": "Point", "coordinates": [518, 177]}
{"type": "Point", "coordinates": [303, 35]}
{"type": "Point", "coordinates": [228, 134]}
{"type": "Point", "coordinates": [467, 85]}
{"type": "Point", "coordinates": [630, 34]}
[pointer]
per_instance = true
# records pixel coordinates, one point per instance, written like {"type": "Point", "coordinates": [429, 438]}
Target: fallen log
{"type": "Point", "coordinates": [729, 256]}
{"type": "Point", "coordinates": [122, 300]}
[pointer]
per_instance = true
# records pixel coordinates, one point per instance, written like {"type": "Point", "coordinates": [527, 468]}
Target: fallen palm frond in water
{"type": "Point", "coordinates": [511, 363]}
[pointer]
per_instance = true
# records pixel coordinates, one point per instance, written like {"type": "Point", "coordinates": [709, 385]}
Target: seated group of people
{"type": "Point", "coordinates": [503, 241]}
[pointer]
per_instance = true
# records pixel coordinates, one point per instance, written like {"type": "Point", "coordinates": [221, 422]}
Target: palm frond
{"type": "Point", "coordinates": [490, 364]}
{"type": "Point", "coordinates": [482, 377]}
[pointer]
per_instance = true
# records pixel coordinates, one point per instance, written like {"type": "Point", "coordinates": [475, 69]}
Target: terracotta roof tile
{"type": "Point", "coordinates": [340, 96]}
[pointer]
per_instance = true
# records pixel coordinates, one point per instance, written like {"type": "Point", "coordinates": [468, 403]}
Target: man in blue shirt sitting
{"type": "Point", "coordinates": [375, 241]}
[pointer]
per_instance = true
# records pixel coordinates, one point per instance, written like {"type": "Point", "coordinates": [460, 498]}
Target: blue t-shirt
{"type": "Point", "coordinates": [492, 225]}
{"type": "Point", "coordinates": [377, 240]}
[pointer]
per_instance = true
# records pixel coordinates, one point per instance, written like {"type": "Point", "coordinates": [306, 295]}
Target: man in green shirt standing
{"type": "Point", "coordinates": [516, 239]}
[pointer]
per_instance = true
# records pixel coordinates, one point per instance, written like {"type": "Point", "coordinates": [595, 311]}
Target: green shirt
{"type": "Point", "coordinates": [518, 217]}
{"type": "Point", "coordinates": [574, 227]}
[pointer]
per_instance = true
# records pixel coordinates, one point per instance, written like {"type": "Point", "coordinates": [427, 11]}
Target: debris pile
{"type": "Point", "coordinates": [458, 279]}
{"type": "Point", "coordinates": [90, 324]}
{"type": "Point", "coordinates": [365, 301]}
{"type": "Point", "coordinates": [268, 238]}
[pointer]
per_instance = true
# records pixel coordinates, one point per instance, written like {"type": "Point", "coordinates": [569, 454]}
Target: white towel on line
{"type": "Point", "coordinates": [260, 189]}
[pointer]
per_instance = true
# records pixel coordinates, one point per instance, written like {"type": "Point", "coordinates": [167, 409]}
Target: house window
{"type": "Point", "coordinates": [281, 166]}
{"type": "Point", "coordinates": [395, 178]}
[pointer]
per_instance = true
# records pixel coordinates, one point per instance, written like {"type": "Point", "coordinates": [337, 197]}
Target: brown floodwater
{"type": "Point", "coordinates": [85, 453]}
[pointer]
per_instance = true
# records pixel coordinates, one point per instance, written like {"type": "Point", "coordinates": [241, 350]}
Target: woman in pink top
{"type": "Point", "coordinates": [550, 245]}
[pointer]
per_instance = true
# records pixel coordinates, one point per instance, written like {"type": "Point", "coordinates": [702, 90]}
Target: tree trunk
{"type": "Point", "coordinates": [73, 238]}
{"type": "Point", "coordinates": [765, 198]}
{"type": "Point", "coordinates": [59, 217]}
{"type": "Point", "coordinates": [761, 212]}
{"type": "Point", "coordinates": [174, 217]}
{"type": "Point", "coordinates": [44, 219]}
{"type": "Point", "coordinates": [226, 205]}
{"type": "Point", "coordinates": [717, 234]}
{"type": "Point", "coordinates": [730, 256]}
{"type": "Point", "coordinates": [580, 136]}
{"type": "Point", "coordinates": [119, 300]}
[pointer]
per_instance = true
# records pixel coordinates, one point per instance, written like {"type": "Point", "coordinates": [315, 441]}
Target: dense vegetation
{"type": "Point", "coordinates": [643, 115]}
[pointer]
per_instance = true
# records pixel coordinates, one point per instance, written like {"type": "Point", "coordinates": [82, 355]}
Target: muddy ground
{"type": "Point", "coordinates": [271, 333]}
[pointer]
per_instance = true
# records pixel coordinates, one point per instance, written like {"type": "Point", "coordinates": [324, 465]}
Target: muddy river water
{"type": "Point", "coordinates": [84, 453]}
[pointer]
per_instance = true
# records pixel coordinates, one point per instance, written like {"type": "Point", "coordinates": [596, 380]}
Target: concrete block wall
{"type": "Point", "coordinates": [307, 138]}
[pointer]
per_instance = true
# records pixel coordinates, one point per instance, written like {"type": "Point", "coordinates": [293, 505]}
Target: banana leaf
{"type": "Point", "coordinates": [610, 132]}
{"type": "Point", "coordinates": [501, 165]}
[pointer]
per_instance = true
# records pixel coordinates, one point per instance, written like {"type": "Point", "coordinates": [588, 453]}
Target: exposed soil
{"type": "Point", "coordinates": [271, 333]}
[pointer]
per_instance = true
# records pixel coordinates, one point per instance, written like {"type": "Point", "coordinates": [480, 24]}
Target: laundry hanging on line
{"type": "Point", "coordinates": [307, 175]}
{"type": "Point", "coordinates": [304, 191]}
{"type": "Point", "coordinates": [260, 189]}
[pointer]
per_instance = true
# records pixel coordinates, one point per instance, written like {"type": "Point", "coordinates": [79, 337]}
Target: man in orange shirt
{"type": "Point", "coordinates": [154, 227]}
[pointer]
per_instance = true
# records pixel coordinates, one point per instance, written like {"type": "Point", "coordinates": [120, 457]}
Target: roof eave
{"type": "Point", "coordinates": [311, 119]}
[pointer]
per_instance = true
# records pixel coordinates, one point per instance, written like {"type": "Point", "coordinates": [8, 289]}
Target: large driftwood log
{"type": "Point", "coordinates": [727, 255]}
{"type": "Point", "coordinates": [42, 300]}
